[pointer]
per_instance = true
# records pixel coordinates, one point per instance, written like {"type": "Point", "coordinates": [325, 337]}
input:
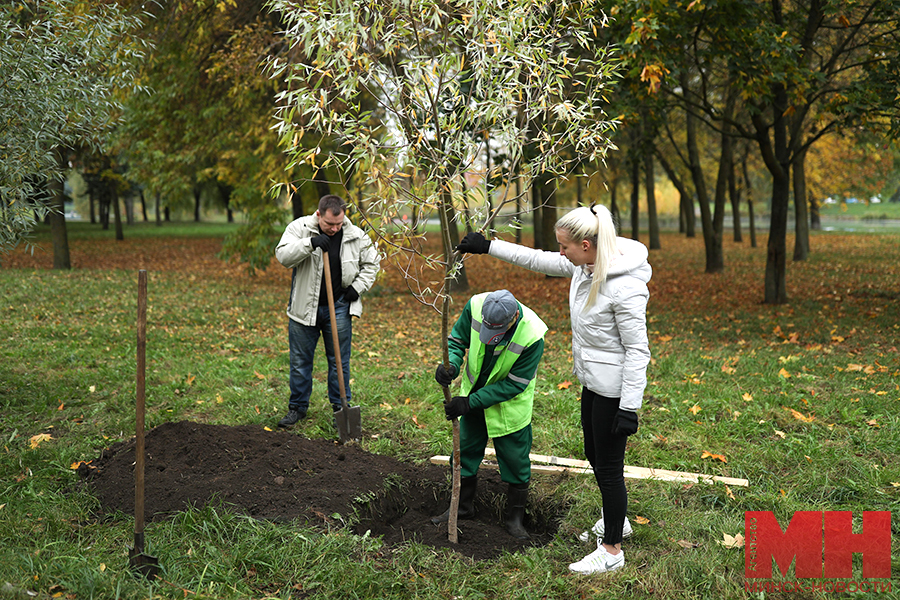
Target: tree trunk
{"type": "Point", "coordinates": [297, 203]}
{"type": "Point", "coordinates": [157, 211]}
{"type": "Point", "coordinates": [815, 219]}
{"type": "Point", "coordinates": [713, 262]}
{"type": "Point", "coordinates": [801, 225]}
{"type": "Point", "coordinates": [518, 219]}
{"type": "Point", "coordinates": [548, 213]}
{"type": "Point", "coordinates": [536, 213]}
{"type": "Point", "coordinates": [197, 194]}
{"type": "Point", "coordinates": [775, 155]}
{"type": "Point", "coordinates": [635, 198]}
{"type": "Point", "coordinates": [91, 205]}
{"type": "Point", "coordinates": [650, 186]}
{"type": "Point", "coordinates": [735, 195]}
{"type": "Point", "coordinates": [117, 212]}
{"type": "Point", "coordinates": [144, 206]}
{"type": "Point", "coordinates": [613, 202]}
{"type": "Point", "coordinates": [461, 283]}
{"type": "Point", "coordinates": [686, 220]}
{"type": "Point", "coordinates": [129, 209]}
{"type": "Point", "coordinates": [323, 188]}
{"type": "Point", "coordinates": [750, 216]}
{"type": "Point", "coordinates": [58, 231]}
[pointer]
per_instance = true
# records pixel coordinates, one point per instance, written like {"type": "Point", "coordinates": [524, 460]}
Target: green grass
{"type": "Point", "coordinates": [216, 352]}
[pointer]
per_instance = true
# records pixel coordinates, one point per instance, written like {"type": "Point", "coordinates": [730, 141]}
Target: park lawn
{"type": "Point", "coordinates": [799, 399]}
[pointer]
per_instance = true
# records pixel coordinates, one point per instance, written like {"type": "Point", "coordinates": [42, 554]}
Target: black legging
{"type": "Point", "coordinates": [606, 453]}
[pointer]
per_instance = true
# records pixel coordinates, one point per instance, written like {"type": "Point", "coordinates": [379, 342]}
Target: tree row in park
{"type": "Point", "coordinates": [474, 114]}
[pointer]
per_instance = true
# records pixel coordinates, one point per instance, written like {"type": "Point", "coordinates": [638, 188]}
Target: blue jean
{"type": "Point", "coordinates": [303, 339]}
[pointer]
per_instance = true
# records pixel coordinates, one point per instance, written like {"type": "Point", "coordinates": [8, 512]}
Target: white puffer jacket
{"type": "Point", "coordinates": [609, 340]}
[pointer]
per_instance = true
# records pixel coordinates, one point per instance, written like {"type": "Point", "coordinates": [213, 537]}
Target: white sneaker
{"type": "Point", "coordinates": [599, 561]}
{"type": "Point", "coordinates": [599, 528]}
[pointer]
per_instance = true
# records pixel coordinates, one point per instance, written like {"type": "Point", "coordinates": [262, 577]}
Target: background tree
{"type": "Point", "coordinates": [63, 65]}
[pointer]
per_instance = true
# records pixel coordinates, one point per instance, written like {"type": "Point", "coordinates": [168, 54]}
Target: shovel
{"type": "Point", "coordinates": [146, 565]}
{"type": "Point", "coordinates": [347, 419]}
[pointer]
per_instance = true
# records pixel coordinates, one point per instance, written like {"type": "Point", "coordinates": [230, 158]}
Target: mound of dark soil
{"type": "Point", "coordinates": [283, 476]}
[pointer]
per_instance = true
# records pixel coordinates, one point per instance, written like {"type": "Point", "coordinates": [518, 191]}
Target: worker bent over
{"type": "Point", "coordinates": [505, 342]}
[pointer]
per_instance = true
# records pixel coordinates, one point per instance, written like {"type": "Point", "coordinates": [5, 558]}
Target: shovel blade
{"type": "Point", "coordinates": [349, 423]}
{"type": "Point", "coordinates": [146, 565]}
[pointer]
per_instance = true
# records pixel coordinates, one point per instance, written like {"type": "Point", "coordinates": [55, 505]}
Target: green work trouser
{"type": "Point", "coordinates": [512, 449]}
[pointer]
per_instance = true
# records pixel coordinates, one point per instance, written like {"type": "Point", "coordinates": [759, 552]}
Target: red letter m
{"type": "Point", "coordinates": [802, 540]}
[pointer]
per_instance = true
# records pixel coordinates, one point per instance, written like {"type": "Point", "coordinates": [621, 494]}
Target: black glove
{"type": "Point", "coordinates": [457, 407]}
{"type": "Point", "coordinates": [474, 243]}
{"type": "Point", "coordinates": [321, 241]}
{"type": "Point", "coordinates": [445, 376]}
{"type": "Point", "coordinates": [625, 422]}
{"type": "Point", "coordinates": [350, 294]}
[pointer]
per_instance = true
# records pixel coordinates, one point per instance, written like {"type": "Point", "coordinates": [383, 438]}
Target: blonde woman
{"type": "Point", "coordinates": [607, 302]}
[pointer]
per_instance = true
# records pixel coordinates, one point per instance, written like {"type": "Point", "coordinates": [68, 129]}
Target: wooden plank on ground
{"type": "Point", "coordinates": [570, 465]}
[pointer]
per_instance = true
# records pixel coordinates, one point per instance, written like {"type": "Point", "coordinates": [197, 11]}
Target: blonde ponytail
{"type": "Point", "coordinates": [594, 224]}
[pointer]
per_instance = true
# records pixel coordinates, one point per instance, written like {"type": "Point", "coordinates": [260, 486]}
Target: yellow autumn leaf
{"type": "Point", "coordinates": [564, 385]}
{"type": "Point", "coordinates": [873, 423]}
{"type": "Point", "coordinates": [259, 375]}
{"type": "Point", "coordinates": [729, 493]}
{"type": "Point", "coordinates": [642, 520]}
{"type": "Point", "coordinates": [267, 428]}
{"type": "Point", "coordinates": [780, 434]}
{"type": "Point", "coordinates": [219, 399]}
{"type": "Point", "coordinates": [664, 338]}
{"type": "Point", "coordinates": [386, 406]}
{"type": "Point", "coordinates": [190, 380]}
{"type": "Point", "coordinates": [694, 409]}
{"type": "Point", "coordinates": [747, 397]}
{"type": "Point", "coordinates": [784, 373]}
{"type": "Point", "coordinates": [729, 541]}
{"type": "Point", "coordinates": [800, 416]}
{"type": "Point", "coordinates": [37, 440]}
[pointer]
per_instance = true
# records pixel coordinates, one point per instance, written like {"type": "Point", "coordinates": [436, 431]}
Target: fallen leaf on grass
{"type": "Point", "coordinates": [564, 385]}
{"type": "Point", "coordinates": [800, 416]}
{"type": "Point", "coordinates": [61, 406]}
{"type": "Point", "coordinates": [780, 434]}
{"type": "Point", "coordinates": [784, 373]}
{"type": "Point", "coordinates": [267, 428]}
{"type": "Point", "coordinates": [873, 423]}
{"type": "Point", "coordinates": [893, 483]}
{"type": "Point", "coordinates": [729, 493]}
{"type": "Point", "coordinates": [747, 397]}
{"type": "Point", "coordinates": [257, 373]}
{"type": "Point", "coordinates": [729, 541]}
{"type": "Point", "coordinates": [688, 545]}
{"type": "Point", "coordinates": [74, 466]}
{"type": "Point", "coordinates": [694, 409]}
{"type": "Point", "coordinates": [416, 421]}
{"type": "Point", "coordinates": [37, 440]}
{"type": "Point", "coordinates": [714, 456]}
{"type": "Point", "coordinates": [190, 380]}
{"type": "Point", "coordinates": [642, 520]}
{"type": "Point", "coordinates": [386, 406]}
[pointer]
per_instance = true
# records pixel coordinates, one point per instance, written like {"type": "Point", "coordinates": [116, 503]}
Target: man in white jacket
{"type": "Point", "coordinates": [354, 263]}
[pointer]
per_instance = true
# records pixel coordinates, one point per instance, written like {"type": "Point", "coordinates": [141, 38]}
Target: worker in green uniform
{"type": "Point", "coordinates": [505, 342]}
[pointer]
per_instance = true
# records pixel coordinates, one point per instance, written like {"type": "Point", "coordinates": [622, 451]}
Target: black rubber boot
{"type": "Point", "coordinates": [516, 500]}
{"type": "Point", "coordinates": [467, 487]}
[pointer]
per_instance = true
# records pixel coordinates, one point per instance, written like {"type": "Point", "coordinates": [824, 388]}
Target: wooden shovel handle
{"type": "Point", "coordinates": [329, 291]}
{"type": "Point", "coordinates": [139, 409]}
